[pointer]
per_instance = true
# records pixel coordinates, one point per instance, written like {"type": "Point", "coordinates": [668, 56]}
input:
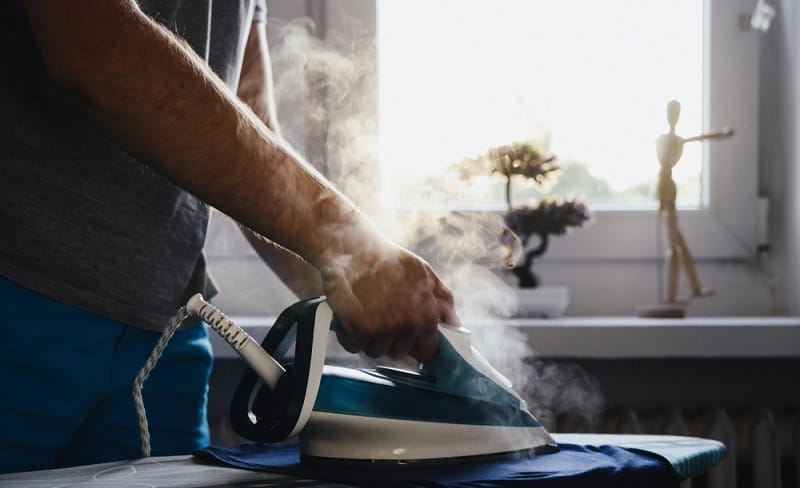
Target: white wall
{"type": "Point", "coordinates": [780, 147]}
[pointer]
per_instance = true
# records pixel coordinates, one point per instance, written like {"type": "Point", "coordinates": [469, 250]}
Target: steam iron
{"type": "Point", "coordinates": [454, 407]}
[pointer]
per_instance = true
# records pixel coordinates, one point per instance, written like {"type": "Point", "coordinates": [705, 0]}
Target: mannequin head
{"type": "Point", "coordinates": [673, 114]}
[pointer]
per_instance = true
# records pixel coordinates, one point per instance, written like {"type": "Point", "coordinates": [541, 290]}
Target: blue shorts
{"type": "Point", "coordinates": [66, 378]}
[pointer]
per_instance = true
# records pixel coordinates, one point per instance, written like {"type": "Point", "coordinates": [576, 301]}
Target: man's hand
{"type": "Point", "coordinates": [389, 301]}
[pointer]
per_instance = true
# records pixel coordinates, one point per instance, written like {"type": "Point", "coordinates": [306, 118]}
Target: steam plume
{"type": "Point", "coordinates": [335, 81]}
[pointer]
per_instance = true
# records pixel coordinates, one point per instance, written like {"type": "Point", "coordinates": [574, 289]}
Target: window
{"type": "Point", "coordinates": [588, 81]}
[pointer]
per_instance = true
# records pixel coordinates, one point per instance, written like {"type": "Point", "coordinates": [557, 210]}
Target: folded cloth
{"type": "Point", "coordinates": [572, 466]}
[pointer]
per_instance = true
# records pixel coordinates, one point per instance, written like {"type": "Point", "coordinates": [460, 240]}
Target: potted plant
{"type": "Point", "coordinates": [542, 218]}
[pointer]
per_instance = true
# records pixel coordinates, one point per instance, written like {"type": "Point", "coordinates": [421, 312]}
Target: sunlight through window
{"type": "Point", "coordinates": [587, 81]}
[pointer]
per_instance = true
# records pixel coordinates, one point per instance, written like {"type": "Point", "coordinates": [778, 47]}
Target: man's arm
{"type": "Point", "coordinates": [255, 82]}
{"type": "Point", "coordinates": [157, 99]}
{"type": "Point", "coordinates": [256, 90]}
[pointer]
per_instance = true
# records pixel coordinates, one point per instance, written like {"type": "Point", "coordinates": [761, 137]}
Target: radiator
{"type": "Point", "coordinates": [763, 446]}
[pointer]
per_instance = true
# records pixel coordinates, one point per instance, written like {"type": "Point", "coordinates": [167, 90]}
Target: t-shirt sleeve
{"type": "Point", "coordinates": [260, 12]}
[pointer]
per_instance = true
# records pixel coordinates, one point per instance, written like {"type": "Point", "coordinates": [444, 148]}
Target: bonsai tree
{"type": "Point", "coordinates": [547, 217]}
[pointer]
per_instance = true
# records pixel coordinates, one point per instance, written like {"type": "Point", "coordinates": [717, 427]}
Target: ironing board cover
{"type": "Point", "coordinates": [688, 456]}
{"type": "Point", "coordinates": [584, 460]}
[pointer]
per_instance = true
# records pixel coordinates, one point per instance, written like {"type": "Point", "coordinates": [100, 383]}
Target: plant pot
{"type": "Point", "coordinates": [542, 302]}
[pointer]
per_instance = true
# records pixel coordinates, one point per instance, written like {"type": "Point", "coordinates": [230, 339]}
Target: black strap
{"type": "Point", "coordinates": [277, 411]}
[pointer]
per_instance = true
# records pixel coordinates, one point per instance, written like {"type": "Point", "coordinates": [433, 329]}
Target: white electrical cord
{"type": "Point", "coordinates": [264, 365]}
{"type": "Point", "coordinates": [144, 432]}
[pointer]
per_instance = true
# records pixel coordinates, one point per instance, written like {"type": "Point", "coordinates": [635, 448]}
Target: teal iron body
{"type": "Point", "coordinates": [454, 407]}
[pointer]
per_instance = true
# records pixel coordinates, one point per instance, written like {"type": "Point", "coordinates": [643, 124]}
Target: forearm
{"type": "Point", "coordinates": [161, 102]}
{"type": "Point", "coordinates": [255, 89]}
{"type": "Point", "coordinates": [294, 272]}
{"type": "Point", "coordinates": [255, 83]}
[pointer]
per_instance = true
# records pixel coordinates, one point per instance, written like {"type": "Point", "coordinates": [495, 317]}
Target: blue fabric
{"type": "Point", "coordinates": [688, 456]}
{"type": "Point", "coordinates": [65, 386]}
{"type": "Point", "coordinates": [572, 466]}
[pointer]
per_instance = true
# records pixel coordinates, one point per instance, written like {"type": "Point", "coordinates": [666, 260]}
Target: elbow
{"type": "Point", "coordinates": [73, 76]}
{"type": "Point", "coordinates": [79, 44]}
{"type": "Point", "coordinates": [61, 73]}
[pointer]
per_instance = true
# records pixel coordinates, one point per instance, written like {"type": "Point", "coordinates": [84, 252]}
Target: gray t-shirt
{"type": "Point", "coordinates": [83, 221]}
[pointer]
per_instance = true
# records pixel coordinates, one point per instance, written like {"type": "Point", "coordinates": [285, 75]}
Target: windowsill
{"type": "Point", "coordinates": [626, 337]}
{"type": "Point", "coordinates": [633, 337]}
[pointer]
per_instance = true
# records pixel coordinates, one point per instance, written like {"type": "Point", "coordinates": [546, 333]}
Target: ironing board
{"type": "Point", "coordinates": [689, 456]}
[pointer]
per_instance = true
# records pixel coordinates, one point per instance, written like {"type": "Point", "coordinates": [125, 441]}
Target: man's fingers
{"type": "Point", "coordinates": [394, 308]}
{"type": "Point", "coordinates": [401, 347]}
{"type": "Point", "coordinates": [378, 347]}
{"type": "Point", "coordinates": [448, 315]}
{"type": "Point", "coordinates": [351, 342]}
{"type": "Point", "coordinates": [447, 308]}
{"type": "Point", "coordinates": [426, 346]}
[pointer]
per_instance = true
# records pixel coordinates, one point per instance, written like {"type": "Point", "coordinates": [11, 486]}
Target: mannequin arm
{"type": "Point", "coordinates": [714, 134]}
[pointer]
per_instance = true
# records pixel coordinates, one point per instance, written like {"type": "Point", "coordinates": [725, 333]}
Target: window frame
{"type": "Point", "coordinates": [725, 227]}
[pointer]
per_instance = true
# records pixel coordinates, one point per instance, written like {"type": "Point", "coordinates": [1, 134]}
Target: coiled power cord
{"type": "Point", "coordinates": [267, 368]}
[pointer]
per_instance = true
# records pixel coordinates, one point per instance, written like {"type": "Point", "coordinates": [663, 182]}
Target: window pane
{"type": "Point", "coordinates": [588, 81]}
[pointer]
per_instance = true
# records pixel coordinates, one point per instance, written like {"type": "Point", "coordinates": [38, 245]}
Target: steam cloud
{"type": "Point", "coordinates": [335, 81]}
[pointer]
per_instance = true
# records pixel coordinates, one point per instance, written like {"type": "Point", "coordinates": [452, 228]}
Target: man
{"type": "Point", "coordinates": [113, 130]}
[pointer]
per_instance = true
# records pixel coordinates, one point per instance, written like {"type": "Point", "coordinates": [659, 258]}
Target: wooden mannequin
{"type": "Point", "coordinates": [669, 149]}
